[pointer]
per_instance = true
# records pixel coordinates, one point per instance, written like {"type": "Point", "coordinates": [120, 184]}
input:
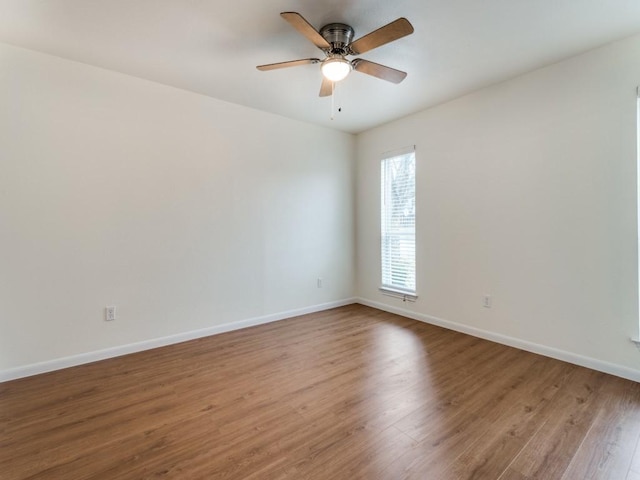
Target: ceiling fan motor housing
{"type": "Point", "coordinates": [339, 36]}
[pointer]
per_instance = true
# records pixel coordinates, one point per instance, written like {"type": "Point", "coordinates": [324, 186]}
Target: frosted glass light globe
{"type": "Point", "coordinates": [336, 69]}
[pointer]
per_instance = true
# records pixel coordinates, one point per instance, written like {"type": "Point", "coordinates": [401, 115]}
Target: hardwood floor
{"type": "Point", "coordinates": [350, 393]}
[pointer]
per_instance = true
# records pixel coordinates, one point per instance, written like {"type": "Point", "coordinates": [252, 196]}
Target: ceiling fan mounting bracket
{"type": "Point", "coordinates": [339, 36]}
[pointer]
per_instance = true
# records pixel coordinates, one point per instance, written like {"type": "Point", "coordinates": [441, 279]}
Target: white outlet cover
{"type": "Point", "coordinates": [110, 314]}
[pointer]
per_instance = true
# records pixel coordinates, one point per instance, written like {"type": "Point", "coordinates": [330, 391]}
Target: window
{"type": "Point", "coordinates": [398, 222]}
{"type": "Point", "coordinates": [636, 338]}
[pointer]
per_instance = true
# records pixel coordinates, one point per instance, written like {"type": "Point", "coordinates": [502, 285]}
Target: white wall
{"type": "Point", "coordinates": [183, 211]}
{"type": "Point", "coordinates": [526, 192]}
{"type": "Point", "coordinates": [189, 213]}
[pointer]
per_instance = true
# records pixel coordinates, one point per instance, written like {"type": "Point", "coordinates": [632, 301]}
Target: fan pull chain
{"type": "Point", "coordinates": [333, 99]}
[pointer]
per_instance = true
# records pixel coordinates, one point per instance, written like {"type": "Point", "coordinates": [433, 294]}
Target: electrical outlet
{"type": "Point", "coordinates": [319, 283]}
{"type": "Point", "coordinates": [486, 301]}
{"type": "Point", "coordinates": [110, 314]}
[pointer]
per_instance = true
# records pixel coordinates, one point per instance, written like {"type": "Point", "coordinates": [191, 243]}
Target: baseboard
{"type": "Point", "coordinates": [89, 357]}
{"type": "Point", "coordinates": [80, 359]}
{"type": "Point", "coordinates": [592, 363]}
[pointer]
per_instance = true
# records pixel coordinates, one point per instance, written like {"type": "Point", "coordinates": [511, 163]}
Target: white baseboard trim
{"type": "Point", "coordinates": [80, 359]}
{"type": "Point", "coordinates": [588, 362]}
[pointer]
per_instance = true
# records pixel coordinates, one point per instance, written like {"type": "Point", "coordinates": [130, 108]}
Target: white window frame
{"type": "Point", "coordinates": [636, 338]}
{"type": "Point", "coordinates": [406, 234]}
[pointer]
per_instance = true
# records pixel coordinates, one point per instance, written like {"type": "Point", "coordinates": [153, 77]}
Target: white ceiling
{"type": "Point", "coordinates": [212, 47]}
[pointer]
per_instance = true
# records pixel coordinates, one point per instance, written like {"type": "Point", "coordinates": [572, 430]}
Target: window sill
{"type": "Point", "coordinates": [405, 296]}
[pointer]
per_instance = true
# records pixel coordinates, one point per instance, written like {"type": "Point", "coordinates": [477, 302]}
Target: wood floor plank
{"type": "Point", "coordinates": [567, 420]}
{"type": "Point", "coordinates": [608, 448]}
{"type": "Point", "coordinates": [365, 455]}
{"type": "Point", "coordinates": [634, 469]}
{"type": "Point", "coordinates": [349, 393]}
{"type": "Point", "coordinates": [513, 415]}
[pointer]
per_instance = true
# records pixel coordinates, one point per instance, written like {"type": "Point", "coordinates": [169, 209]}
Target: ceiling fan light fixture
{"type": "Point", "coordinates": [336, 68]}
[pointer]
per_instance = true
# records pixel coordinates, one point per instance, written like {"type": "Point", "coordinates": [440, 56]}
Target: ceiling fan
{"type": "Point", "coordinates": [335, 40]}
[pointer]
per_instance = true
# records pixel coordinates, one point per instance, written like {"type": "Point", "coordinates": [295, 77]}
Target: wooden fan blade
{"type": "Point", "coordinates": [392, 31]}
{"type": "Point", "coordinates": [298, 22]}
{"type": "Point", "coordinates": [380, 71]}
{"type": "Point", "coordinates": [292, 63]}
{"type": "Point", "coordinates": [326, 89]}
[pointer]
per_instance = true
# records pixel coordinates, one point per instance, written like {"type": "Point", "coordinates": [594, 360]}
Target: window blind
{"type": "Point", "coordinates": [398, 222]}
